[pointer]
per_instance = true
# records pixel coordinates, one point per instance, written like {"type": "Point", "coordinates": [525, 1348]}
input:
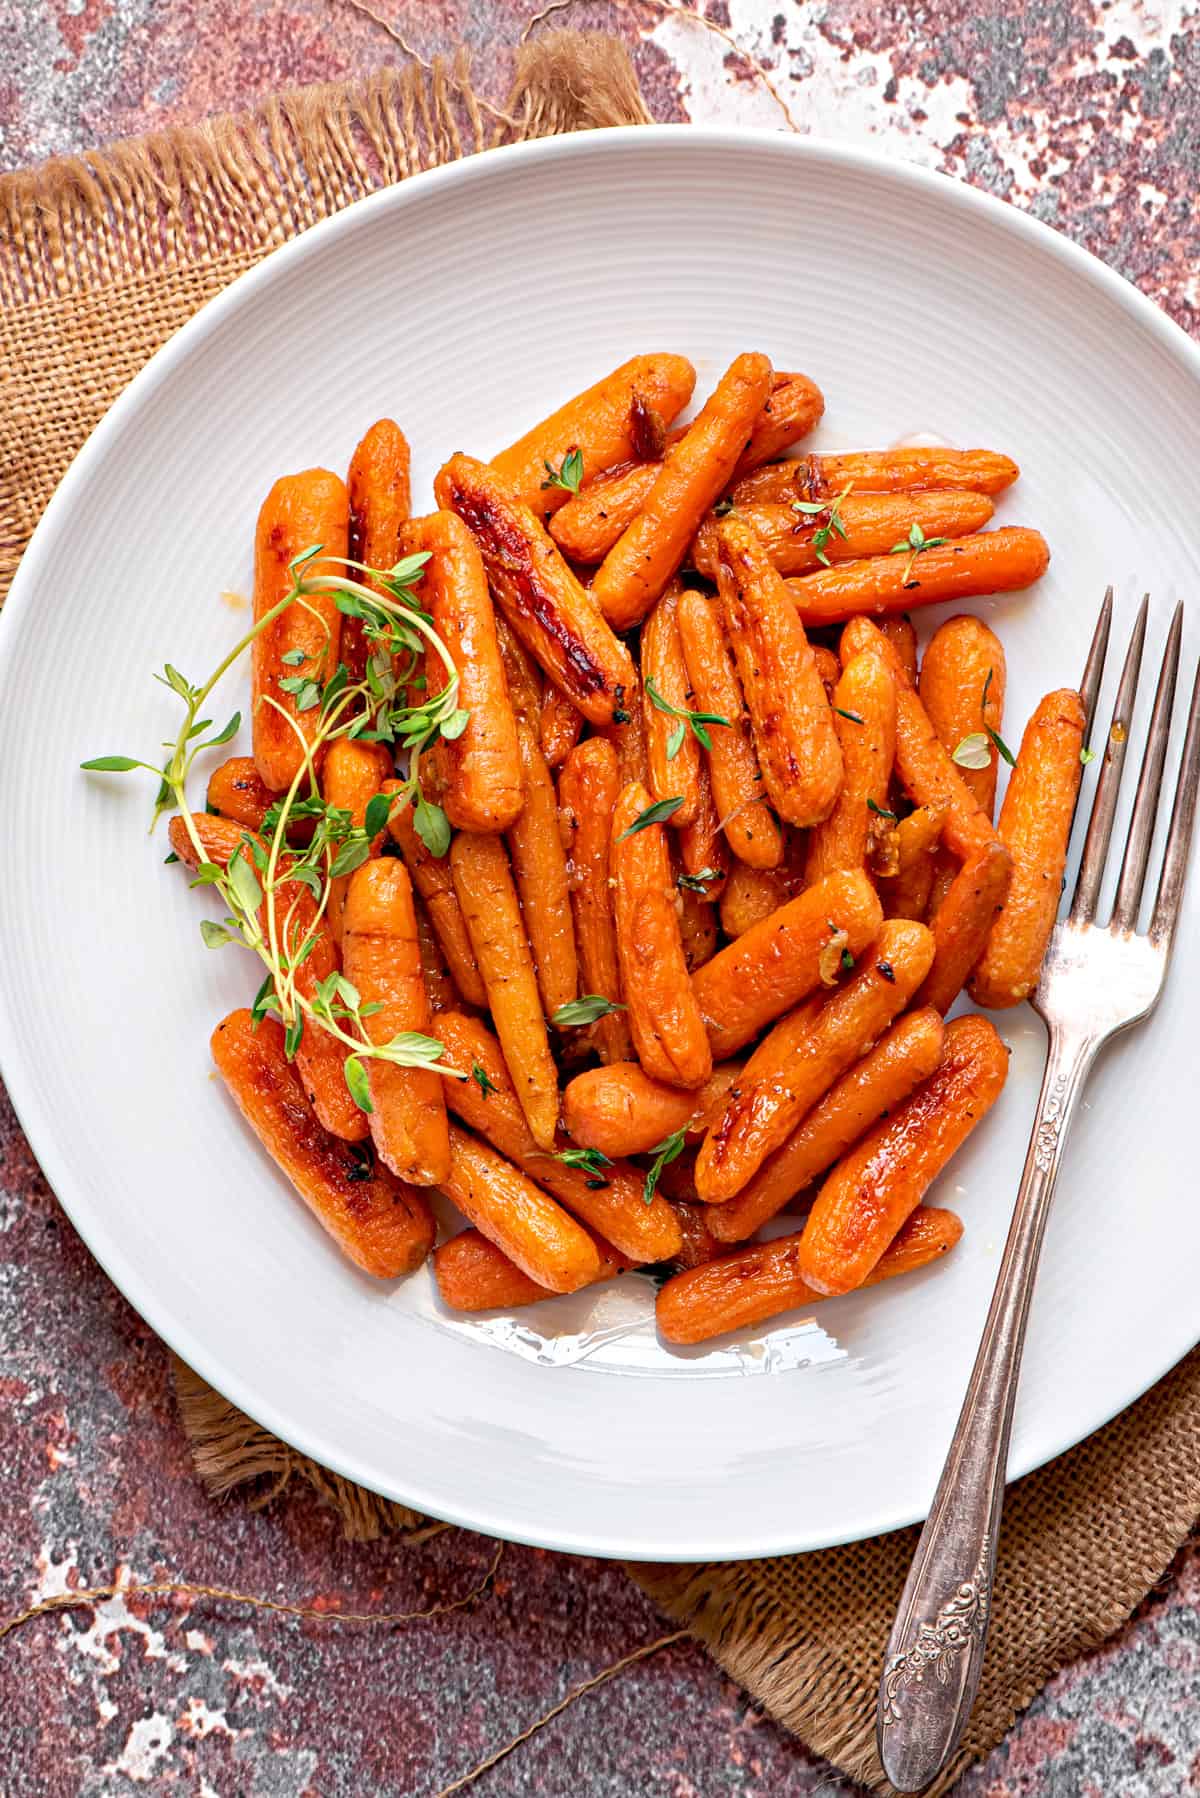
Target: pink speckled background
{"type": "Point", "coordinates": [1086, 114]}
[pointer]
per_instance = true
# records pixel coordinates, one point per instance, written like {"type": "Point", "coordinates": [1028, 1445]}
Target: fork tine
{"type": "Point", "coordinates": [1145, 803]}
{"type": "Point", "coordinates": [1179, 836]}
{"type": "Point", "coordinates": [1093, 671]}
{"type": "Point", "coordinates": [1104, 805]}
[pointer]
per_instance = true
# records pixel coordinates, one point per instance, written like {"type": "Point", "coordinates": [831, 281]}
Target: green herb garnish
{"type": "Point", "coordinates": [583, 1011]}
{"type": "Point", "coordinates": [658, 813]}
{"type": "Point", "coordinates": [569, 476]}
{"type": "Point", "coordinates": [812, 508]}
{"type": "Point", "coordinates": [665, 1152]}
{"type": "Point", "coordinates": [693, 721]}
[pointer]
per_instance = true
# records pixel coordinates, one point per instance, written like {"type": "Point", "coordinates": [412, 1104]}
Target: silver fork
{"type": "Point", "coordinates": [1097, 980]}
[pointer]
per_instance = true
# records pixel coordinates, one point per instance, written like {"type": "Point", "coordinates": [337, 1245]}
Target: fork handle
{"type": "Point", "coordinates": [935, 1654]}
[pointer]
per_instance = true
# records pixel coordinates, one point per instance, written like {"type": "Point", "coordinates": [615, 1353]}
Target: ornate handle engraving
{"type": "Point", "coordinates": [961, 1619]}
{"type": "Point", "coordinates": [1049, 1125]}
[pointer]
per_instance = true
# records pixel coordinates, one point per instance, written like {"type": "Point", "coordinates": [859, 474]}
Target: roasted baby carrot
{"type": "Point", "coordinates": [807, 1051]}
{"type": "Point", "coordinates": [792, 409]}
{"type": "Point", "coordinates": [479, 771]}
{"type": "Point", "coordinates": [382, 959]}
{"type": "Point", "coordinates": [588, 788]}
{"type": "Point", "coordinates": [900, 632]}
{"type": "Point", "coordinates": [796, 542]}
{"type": "Point", "coordinates": [649, 552]}
{"type": "Point", "coordinates": [877, 471]}
{"type": "Point", "coordinates": [756, 1283]}
{"type": "Point", "coordinates": [610, 1200]}
{"type": "Point", "coordinates": [525, 686]}
{"type": "Point", "coordinates": [620, 1110]}
{"type": "Point", "coordinates": [618, 419]}
{"type": "Point", "coordinates": [518, 1216]}
{"type": "Point", "coordinates": [380, 501]}
{"type": "Point", "coordinates": [962, 686]}
{"type": "Point", "coordinates": [539, 867]}
{"type": "Point", "coordinates": [473, 1274]}
{"type": "Point", "coordinates": [780, 961]}
{"type": "Point", "coordinates": [351, 775]}
{"type": "Point", "coordinates": [699, 1243]}
{"type": "Point", "coordinates": [737, 786]}
{"type": "Point", "coordinates": [790, 718]}
{"type": "Point", "coordinates": [924, 767]}
{"type": "Point", "coordinates": [664, 1019]}
{"type": "Point", "coordinates": [703, 849]}
{"type": "Point", "coordinates": [864, 716]}
{"type": "Point", "coordinates": [382, 1224]}
{"type": "Point", "coordinates": [828, 667]}
{"type": "Point", "coordinates": [992, 562]}
{"type": "Point", "coordinates": [878, 1185]}
{"type": "Point", "coordinates": [969, 911]}
{"type": "Point", "coordinates": [491, 910]}
{"type": "Point", "coordinates": [291, 919]}
{"type": "Point", "coordinates": [435, 969]}
{"type": "Point", "coordinates": [698, 930]}
{"type": "Point", "coordinates": [867, 1092]}
{"type": "Point", "coordinates": [300, 511]}
{"type": "Point", "coordinates": [236, 791]}
{"type": "Point", "coordinates": [433, 880]}
{"type": "Point", "coordinates": [560, 725]}
{"type": "Point", "coordinates": [672, 749]}
{"type": "Point", "coordinates": [750, 895]}
{"type": "Point", "coordinates": [557, 621]}
{"type": "Point", "coordinates": [1035, 828]}
{"type": "Point", "coordinates": [905, 892]}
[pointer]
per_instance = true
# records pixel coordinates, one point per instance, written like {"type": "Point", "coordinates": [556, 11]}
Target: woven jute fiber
{"type": "Point", "coordinates": [101, 259]}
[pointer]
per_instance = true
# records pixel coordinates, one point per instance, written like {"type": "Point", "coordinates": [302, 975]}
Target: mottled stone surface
{"type": "Point", "coordinates": [1085, 114]}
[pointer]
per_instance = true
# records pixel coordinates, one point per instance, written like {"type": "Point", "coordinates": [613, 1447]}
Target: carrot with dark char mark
{"type": "Point", "coordinates": [381, 1223]}
{"type": "Point", "coordinates": [872, 523]}
{"type": "Point", "coordinates": [876, 471]}
{"type": "Point", "coordinates": [380, 501]}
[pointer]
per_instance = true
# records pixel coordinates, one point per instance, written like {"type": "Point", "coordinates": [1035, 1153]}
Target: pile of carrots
{"type": "Point", "coordinates": [703, 780]}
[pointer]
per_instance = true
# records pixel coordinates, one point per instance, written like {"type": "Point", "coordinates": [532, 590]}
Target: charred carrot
{"type": "Point", "coordinates": [994, 562]}
{"type": "Point", "coordinates": [877, 471]}
{"type": "Point", "coordinates": [380, 501]}
{"type": "Point", "coordinates": [236, 791]}
{"type": "Point", "coordinates": [560, 725]}
{"type": "Point", "coordinates": [382, 1224]}
{"type": "Point", "coordinates": [798, 542]}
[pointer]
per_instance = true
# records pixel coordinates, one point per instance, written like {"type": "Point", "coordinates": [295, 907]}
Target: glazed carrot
{"type": "Point", "coordinates": [479, 771]}
{"type": "Point", "coordinates": [1035, 827]}
{"type": "Point", "coordinates": [235, 791]}
{"type": "Point", "coordinates": [900, 632]}
{"type": "Point", "coordinates": [993, 562]}
{"type": "Point", "coordinates": [672, 750]}
{"type": "Point", "coordinates": [922, 764]}
{"type": "Point", "coordinates": [867, 1092]}
{"type": "Point", "coordinates": [877, 471]}
{"type": "Point", "coordinates": [792, 724]}
{"type": "Point", "coordinates": [351, 775]}
{"type": "Point", "coordinates": [299, 511]}
{"type": "Point", "coordinates": [864, 716]}
{"type": "Point", "coordinates": [703, 849]}
{"type": "Point", "coordinates": [750, 895]}
{"type": "Point", "coordinates": [381, 957]}
{"type": "Point", "coordinates": [873, 522]}
{"type": "Point", "coordinates": [697, 928]}
{"type": "Point", "coordinates": [491, 910]}
{"type": "Point", "coordinates": [590, 522]}
{"type": "Point", "coordinates": [539, 868]}
{"type": "Point", "coordinates": [737, 787]}
{"type": "Point", "coordinates": [905, 893]}
{"type": "Point", "coordinates": [828, 667]}
{"type": "Point", "coordinates": [560, 725]}
{"type": "Point", "coordinates": [320, 1059]}
{"type": "Point", "coordinates": [472, 1274]}
{"type": "Point", "coordinates": [380, 501]}
{"type": "Point", "coordinates": [780, 961]}
{"type": "Point", "coordinates": [973, 903]}
{"type": "Point", "coordinates": [435, 970]}
{"type": "Point", "coordinates": [760, 1281]}
{"type": "Point", "coordinates": [382, 1224]}
{"type": "Point", "coordinates": [629, 740]}
{"type": "Point", "coordinates": [518, 1216]}
{"type": "Point", "coordinates": [620, 1110]}
{"type": "Point", "coordinates": [559, 624]}
{"type": "Point", "coordinates": [800, 1059]}
{"type": "Point", "coordinates": [962, 686]}
{"type": "Point", "coordinates": [664, 1019]}
{"type": "Point", "coordinates": [588, 788]}
{"type": "Point", "coordinates": [616, 1208]}
{"type": "Point", "coordinates": [525, 690]}
{"type": "Point", "coordinates": [638, 567]}
{"type": "Point", "coordinates": [433, 880]}
{"type": "Point", "coordinates": [616, 420]}
{"type": "Point", "coordinates": [699, 1243]}
{"type": "Point", "coordinates": [878, 1185]}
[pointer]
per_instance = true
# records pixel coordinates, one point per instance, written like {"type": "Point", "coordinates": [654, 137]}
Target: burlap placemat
{"type": "Point", "coordinates": [101, 259]}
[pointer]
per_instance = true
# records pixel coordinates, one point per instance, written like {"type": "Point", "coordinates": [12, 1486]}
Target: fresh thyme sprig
{"type": "Point", "coordinates": [693, 721]}
{"type": "Point", "coordinates": [812, 508]}
{"type": "Point", "coordinates": [569, 476]}
{"type": "Point", "coordinates": [267, 878]}
{"type": "Point", "coordinates": [664, 1153]}
{"type": "Point", "coordinates": [914, 545]}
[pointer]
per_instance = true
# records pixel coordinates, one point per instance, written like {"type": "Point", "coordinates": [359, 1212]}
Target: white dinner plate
{"type": "Point", "coordinates": [467, 303]}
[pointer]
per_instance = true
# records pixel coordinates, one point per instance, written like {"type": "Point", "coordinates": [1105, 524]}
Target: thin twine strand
{"type": "Point", "coordinates": [92, 1595]}
{"type": "Point", "coordinates": [397, 36]}
{"type": "Point", "coordinates": [675, 10]}
{"type": "Point", "coordinates": [589, 1685]}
